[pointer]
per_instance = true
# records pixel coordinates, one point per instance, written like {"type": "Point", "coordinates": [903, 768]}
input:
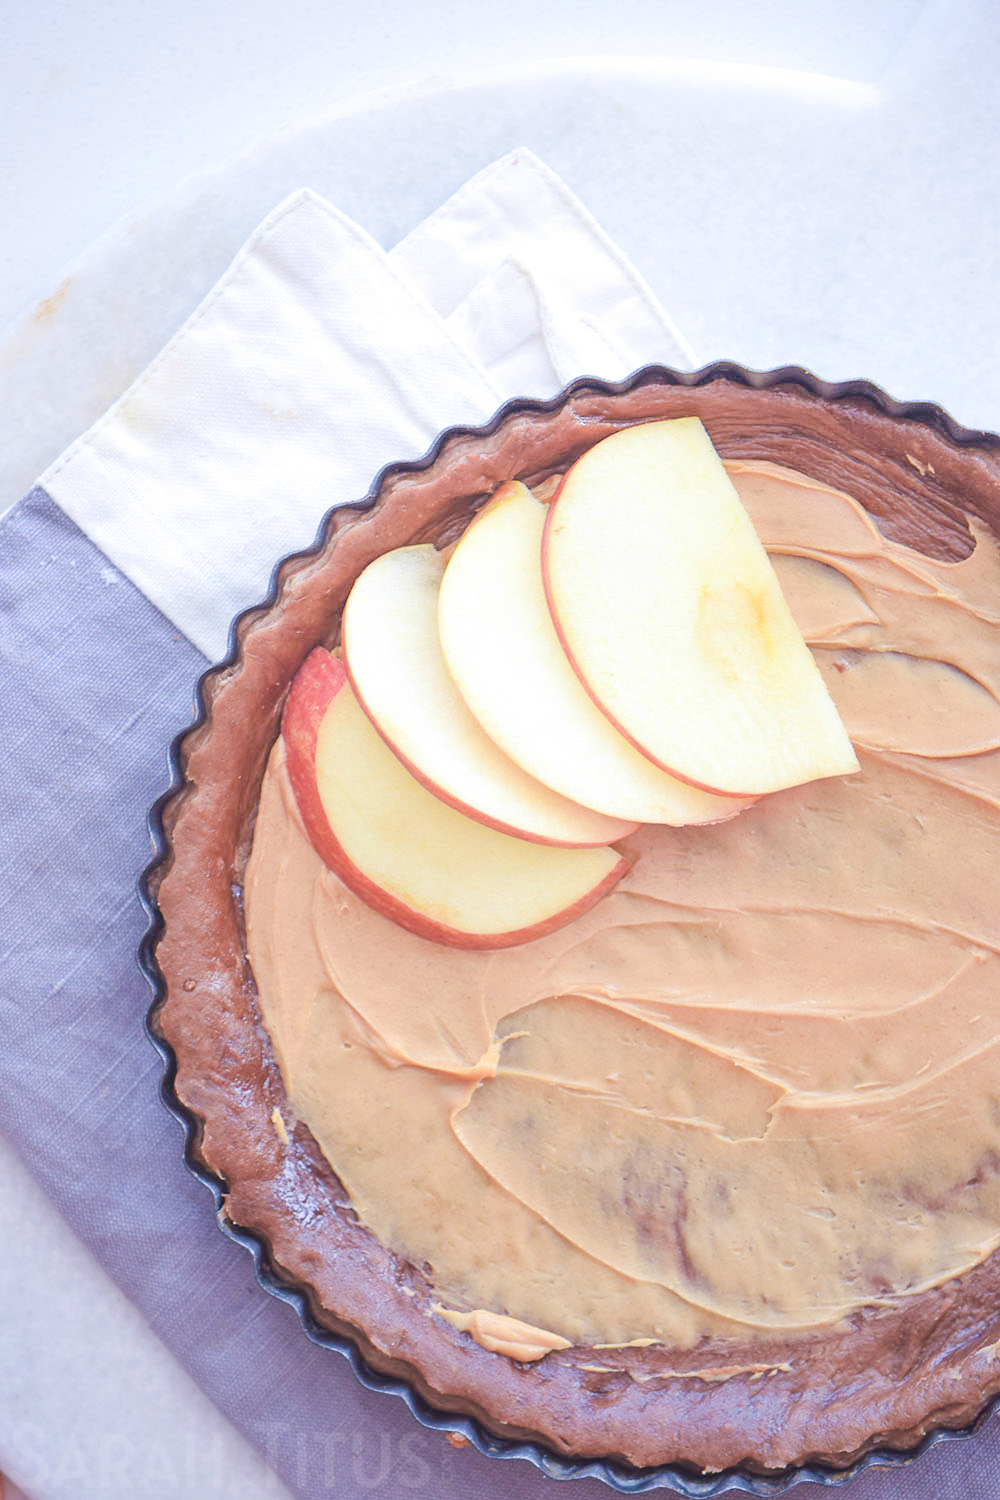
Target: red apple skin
{"type": "Point", "coordinates": [316, 684]}
{"type": "Point", "coordinates": [745, 797]}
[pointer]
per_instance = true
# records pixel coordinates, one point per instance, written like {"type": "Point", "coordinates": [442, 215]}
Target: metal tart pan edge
{"type": "Point", "coordinates": [626, 1480]}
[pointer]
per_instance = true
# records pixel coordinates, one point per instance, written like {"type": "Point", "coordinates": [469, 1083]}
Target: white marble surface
{"type": "Point", "coordinates": [800, 182]}
{"type": "Point", "coordinates": [104, 105]}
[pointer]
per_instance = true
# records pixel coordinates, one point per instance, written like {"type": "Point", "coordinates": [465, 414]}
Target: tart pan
{"type": "Point", "coordinates": [933, 463]}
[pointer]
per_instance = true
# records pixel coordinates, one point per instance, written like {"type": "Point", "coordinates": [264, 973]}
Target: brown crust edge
{"type": "Point", "coordinates": [928, 1365]}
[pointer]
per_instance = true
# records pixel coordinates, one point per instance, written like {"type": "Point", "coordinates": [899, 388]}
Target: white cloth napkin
{"type": "Point", "coordinates": [315, 360]}
{"type": "Point", "coordinates": [318, 358]}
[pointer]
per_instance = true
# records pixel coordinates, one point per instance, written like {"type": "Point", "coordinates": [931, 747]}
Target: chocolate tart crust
{"type": "Point", "coordinates": [888, 1377]}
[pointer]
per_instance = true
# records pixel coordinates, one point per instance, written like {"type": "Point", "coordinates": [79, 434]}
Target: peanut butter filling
{"type": "Point", "coordinates": [755, 1088]}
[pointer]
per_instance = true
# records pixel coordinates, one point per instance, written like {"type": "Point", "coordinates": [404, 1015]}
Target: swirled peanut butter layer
{"type": "Point", "coordinates": [758, 1086]}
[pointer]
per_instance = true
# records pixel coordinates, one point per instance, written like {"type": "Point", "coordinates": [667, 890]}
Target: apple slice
{"type": "Point", "coordinates": [392, 652]}
{"type": "Point", "coordinates": [672, 616]}
{"type": "Point", "coordinates": [406, 853]}
{"type": "Point", "coordinates": [503, 652]}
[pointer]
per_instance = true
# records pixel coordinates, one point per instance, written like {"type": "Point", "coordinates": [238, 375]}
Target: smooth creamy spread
{"type": "Point", "coordinates": [503, 1335]}
{"type": "Point", "coordinates": [758, 1086]}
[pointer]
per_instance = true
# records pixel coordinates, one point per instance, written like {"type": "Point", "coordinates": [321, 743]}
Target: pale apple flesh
{"type": "Point", "coordinates": [670, 612]}
{"type": "Point", "coordinates": [392, 653]}
{"type": "Point", "coordinates": [421, 863]}
{"type": "Point", "coordinates": [502, 650]}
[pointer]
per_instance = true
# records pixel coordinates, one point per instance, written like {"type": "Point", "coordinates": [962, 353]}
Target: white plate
{"type": "Point", "coordinates": [780, 216]}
